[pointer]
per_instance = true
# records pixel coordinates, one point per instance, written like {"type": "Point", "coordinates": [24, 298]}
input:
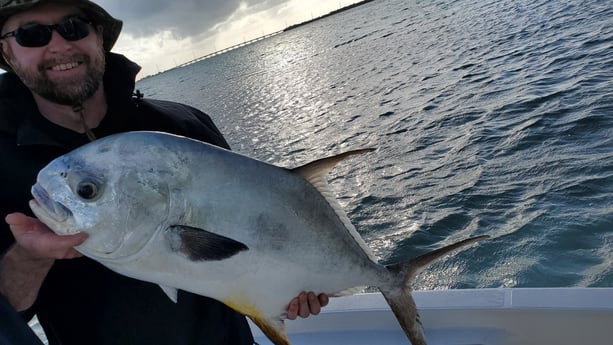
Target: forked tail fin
{"type": "Point", "coordinates": [399, 296]}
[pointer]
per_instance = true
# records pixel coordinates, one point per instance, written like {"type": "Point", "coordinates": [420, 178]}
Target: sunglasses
{"type": "Point", "coordinates": [39, 35]}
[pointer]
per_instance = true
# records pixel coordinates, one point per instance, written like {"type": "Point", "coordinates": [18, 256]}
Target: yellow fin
{"type": "Point", "coordinates": [274, 329]}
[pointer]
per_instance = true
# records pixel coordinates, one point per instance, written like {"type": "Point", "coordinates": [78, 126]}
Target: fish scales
{"type": "Point", "coordinates": [187, 215]}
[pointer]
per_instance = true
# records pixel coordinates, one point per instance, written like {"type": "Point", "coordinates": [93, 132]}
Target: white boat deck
{"type": "Point", "coordinates": [557, 316]}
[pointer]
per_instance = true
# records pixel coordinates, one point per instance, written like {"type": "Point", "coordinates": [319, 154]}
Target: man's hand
{"type": "Point", "coordinates": [26, 264]}
{"type": "Point", "coordinates": [306, 304]}
{"type": "Point", "coordinates": [39, 242]}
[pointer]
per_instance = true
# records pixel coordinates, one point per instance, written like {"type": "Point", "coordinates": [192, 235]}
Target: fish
{"type": "Point", "coordinates": [187, 215]}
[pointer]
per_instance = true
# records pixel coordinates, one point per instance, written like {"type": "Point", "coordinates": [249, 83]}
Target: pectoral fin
{"type": "Point", "coordinates": [202, 245]}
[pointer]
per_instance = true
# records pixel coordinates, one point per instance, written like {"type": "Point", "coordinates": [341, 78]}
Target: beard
{"type": "Point", "coordinates": [66, 91]}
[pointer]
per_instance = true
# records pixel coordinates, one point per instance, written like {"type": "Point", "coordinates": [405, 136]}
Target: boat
{"type": "Point", "coordinates": [505, 316]}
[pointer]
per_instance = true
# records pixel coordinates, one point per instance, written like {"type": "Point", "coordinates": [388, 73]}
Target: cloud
{"type": "Point", "coordinates": [161, 34]}
{"type": "Point", "coordinates": [183, 18]}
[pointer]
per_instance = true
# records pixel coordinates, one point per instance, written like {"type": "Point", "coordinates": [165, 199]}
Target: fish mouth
{"type": "Point", "coordinates": [45, 208]}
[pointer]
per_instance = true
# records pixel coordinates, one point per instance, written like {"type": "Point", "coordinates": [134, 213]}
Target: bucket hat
{"type": "Point", "coordinates": [95, 13]}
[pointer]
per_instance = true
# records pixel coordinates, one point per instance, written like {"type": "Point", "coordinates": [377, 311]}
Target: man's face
{"type": "Point", "coordinates": [64, 72]}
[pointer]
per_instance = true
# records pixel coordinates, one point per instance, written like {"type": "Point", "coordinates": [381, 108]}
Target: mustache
{"type": "Point", "coordinates": [59, 60]}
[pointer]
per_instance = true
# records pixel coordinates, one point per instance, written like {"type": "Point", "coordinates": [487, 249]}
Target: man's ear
{"type": "Point", "coordinates": [100, 30]}
{"type": "Point", "coordinates": [5, 54]}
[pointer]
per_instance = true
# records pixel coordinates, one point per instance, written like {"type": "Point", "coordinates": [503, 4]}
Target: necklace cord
{"type": "Point", "coordinates": [90, 135]}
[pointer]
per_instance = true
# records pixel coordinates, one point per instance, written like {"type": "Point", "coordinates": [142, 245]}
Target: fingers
{"type": "Point", "coordinates": [39, 241]}
{"type": "Point", "coordinates": [20, 222]}
{"type": "Point", "coordinates": [323, 299]}
{"type": "Point", "coordinates": [292, 309]}
{"type": "Point", "coordinates": [304, 308]}
{"type": "Point", "coordinates": [313, 304]}
{"type": "Point", "coordinates": [298, 307]}
{"type": "Point", "coordinates": [306, 304]}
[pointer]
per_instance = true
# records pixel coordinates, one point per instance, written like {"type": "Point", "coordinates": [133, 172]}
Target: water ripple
{"type": "Point", "coordinates": [490, 117]}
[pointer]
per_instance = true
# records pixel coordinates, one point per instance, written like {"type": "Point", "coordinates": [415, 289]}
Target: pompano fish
{"type": "Point", "coordinates": [188, 215]}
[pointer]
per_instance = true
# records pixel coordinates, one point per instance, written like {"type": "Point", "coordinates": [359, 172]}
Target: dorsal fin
{"type": "Point", "coordinates": [315, 172]}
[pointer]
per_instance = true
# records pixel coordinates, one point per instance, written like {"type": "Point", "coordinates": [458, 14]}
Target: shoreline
{"type": "Point", "coordinates": [294, 26]}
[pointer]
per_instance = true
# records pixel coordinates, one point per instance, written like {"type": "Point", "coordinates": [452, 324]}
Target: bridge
{"type": "Point", "coordinates": [204, 57]}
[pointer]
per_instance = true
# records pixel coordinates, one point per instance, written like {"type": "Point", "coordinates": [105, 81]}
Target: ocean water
{"type": "Point", "coordinates": [489, 117]}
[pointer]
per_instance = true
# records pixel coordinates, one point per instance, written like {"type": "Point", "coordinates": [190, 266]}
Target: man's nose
{"type": "Point", "coordinates": [58, 42]}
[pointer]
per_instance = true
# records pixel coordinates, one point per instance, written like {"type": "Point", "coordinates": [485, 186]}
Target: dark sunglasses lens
{"type": "Point", "coordinates": [34, 35]}
{"type": "Point", "coordinates": [73, 29]}
{"type": "Point", "coordinates": [38, 35]}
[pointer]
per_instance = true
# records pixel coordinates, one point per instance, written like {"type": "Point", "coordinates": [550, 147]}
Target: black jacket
{"type": "Point", "coordinates": [82, 302]}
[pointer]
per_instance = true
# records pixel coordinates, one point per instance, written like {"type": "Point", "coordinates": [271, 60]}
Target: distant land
{"type": "Point", "coordinates": [329, 14]}
{"type": "Point", "coordinates": [260, 38]}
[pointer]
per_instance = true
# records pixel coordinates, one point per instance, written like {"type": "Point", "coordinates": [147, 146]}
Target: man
{"type": "Point", "coordinates": [64, 88]}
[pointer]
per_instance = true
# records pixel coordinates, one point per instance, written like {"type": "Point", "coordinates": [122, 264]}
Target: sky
{"type": "Point", "coordinates": [160, 34]}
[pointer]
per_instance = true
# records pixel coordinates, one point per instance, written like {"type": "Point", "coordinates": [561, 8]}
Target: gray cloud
{"type": "Point", "coordinates": [183, 17]}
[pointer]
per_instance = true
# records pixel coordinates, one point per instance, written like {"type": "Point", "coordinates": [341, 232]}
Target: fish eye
{"type": "Point", "coordinates": [88, 189]}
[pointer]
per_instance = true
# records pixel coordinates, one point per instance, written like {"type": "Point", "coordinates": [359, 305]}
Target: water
{"type": "Point", "coordinates": [490, 117]}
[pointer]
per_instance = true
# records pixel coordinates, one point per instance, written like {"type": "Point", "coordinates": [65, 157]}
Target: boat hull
{"type": "Point", "coordinates": [561, 316]}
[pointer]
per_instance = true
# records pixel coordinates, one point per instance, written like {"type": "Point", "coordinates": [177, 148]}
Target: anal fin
{"type": "Point", "coordinates": [274, 329]}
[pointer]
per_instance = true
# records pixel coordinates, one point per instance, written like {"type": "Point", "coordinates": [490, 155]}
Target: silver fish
{"type": "Point", "coordinates": [188, 215]}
